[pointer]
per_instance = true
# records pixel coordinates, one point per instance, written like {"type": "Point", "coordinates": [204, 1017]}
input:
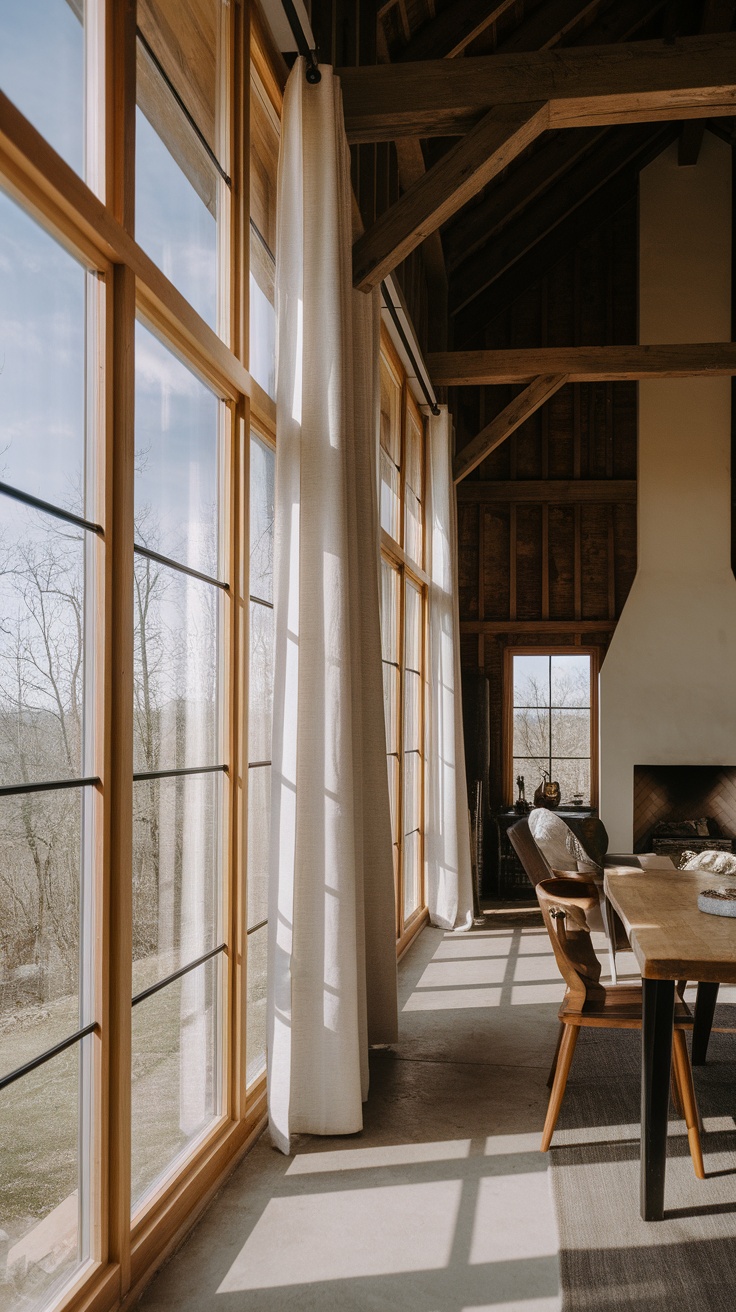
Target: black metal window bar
{"type": "Point", "coordinates": [196, 129]}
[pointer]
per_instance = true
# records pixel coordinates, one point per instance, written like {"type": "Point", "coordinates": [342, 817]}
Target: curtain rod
{"type": "Point", "coordinates": [313, 73]}
{"type": "Point", "coordinates": [419, 373]}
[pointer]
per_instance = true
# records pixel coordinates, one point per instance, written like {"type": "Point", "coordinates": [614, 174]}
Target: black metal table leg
{"type": "Point", "coordinates": [656, 1035]}
{"type": "Point", "coordinates": [705, 1006]}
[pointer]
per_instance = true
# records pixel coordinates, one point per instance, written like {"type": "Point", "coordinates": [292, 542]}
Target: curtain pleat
{"type": "Point", "coordinates": [332, 957]}
{"type": "Point", "coordinates": [449, 875]}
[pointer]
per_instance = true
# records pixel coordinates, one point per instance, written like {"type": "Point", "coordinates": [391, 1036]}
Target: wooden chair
{"type": "Point", "coordinates": [588, 1002]}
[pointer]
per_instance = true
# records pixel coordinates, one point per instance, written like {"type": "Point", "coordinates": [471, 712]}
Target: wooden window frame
{"type": "Point", "coordinates": [409, 570]}
{"type": "Point", "coordinates": [509, 782]}
{"type": "Point", "coordinates": [97, 227]}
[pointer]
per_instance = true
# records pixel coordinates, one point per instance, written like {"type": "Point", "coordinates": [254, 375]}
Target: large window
{"type": "Point", "coordinates": [403, 622]}
{"type": "Point", "coordinates": [51, 528]}
{"type": "Point", "coordinates": [136, 529]}
{"type": "Point", "coordinates": [552, 726]}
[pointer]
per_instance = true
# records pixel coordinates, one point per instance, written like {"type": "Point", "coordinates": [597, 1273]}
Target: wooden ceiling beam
{"type": "Point", "coordinates": [717, 17]}
{"type": "Point", "coordinates": [583, 364]}
{"type": "Point", "coordinates": [499, 137]}
{"type": "Point", "coordinates": [636, 82]}
{"type": "Point", "coordinates": [489, 628]}
{"type": "Point", "coordinates": [452, 31]}
{"type": "Point", "coordinates": [484, 266]}
{"type": "Point", "coordinates": [548, 491]}
{"type": "Point", "coordinates": [511, 417]}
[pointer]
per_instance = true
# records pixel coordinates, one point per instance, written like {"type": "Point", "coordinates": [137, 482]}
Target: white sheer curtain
{"type": "Point", "coordinates": [332, 949]}
{"type": "Point", "coordinates": [449, 876]}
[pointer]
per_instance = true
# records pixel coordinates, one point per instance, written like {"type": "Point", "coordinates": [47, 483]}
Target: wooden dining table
{"type": "Point", "coordinates": [671, 940]}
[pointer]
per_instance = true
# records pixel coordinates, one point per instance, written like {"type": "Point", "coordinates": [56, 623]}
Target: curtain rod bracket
{"type": "Point", "coordinates": [302, 44]}
{"type": "Point", "coordinates": [313, 74]}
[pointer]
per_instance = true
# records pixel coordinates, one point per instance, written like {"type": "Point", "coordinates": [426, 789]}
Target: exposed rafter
{"type": "Point", "coordinates": [499, 137]}
{"type": "Point", "coordinates": [453, 30]}
{"type": "Point", "coordinates": [583, 364]}
{"type": "Point", "coordinates": [510, 418]}
{"type": "Point", "coordinates": [610, 154]}
{"type": "Point", "coordinates": [638, 82]}
{"type": "Point", "coordinates": [717, 17]}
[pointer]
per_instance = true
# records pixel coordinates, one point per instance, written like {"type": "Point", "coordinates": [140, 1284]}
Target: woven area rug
{"type": "Point", "coordinates": [610, 1258]}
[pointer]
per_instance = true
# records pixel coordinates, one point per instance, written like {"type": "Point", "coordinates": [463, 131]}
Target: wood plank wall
{"type": "Point", "coordinates": [345, 31]}
{"type": "Point", "coordinates": [568, 560]}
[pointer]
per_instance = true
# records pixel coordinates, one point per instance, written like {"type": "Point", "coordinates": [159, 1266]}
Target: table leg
{"type": "Point", "coordinates": [656, 1036]}
{"type": "Point", "coordinates": [705, 1006]}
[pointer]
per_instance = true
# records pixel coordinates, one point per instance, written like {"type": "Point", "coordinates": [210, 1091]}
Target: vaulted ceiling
{"type": "Point", "coordinates": [559, 181]}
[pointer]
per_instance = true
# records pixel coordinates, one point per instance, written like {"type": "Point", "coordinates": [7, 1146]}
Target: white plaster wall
{"type": "Point", "coordinates": [668, 683]}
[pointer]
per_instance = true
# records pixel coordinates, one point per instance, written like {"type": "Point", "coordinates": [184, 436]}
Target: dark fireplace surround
{"type": "Point", "coordinates": [682, 792]}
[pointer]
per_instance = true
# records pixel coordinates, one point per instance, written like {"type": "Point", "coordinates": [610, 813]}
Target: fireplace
{"type": "Point", "coordinates": [672, 793]}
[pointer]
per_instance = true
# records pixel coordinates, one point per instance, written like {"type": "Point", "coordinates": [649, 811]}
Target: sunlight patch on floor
{"type": "Point", "coordinates": [348, 1234]}
{"type": "Point", "coordinates": [513, 1219]}
{"type": "Point", "coordinates": [397, 1154]}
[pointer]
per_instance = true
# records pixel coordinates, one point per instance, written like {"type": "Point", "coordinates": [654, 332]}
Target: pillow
{"type": "Point", "coordinates": [592, 836]}
{"type": "Point", "coordinates": [556, 841]}
{"type": "Point", "coordinates": [719, 863]}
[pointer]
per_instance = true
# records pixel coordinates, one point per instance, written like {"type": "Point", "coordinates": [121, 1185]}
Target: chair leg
{"type": "Point", "coordinates": [675, 1091]}
{"type": "Point", "coordinates": [610, 928]}
{"type": "Point", "coordinates": [553, 1067]}
{"type": "Point", "coordinates": [564, 1061]}
{"type": "Point", "coordinates": [683, 1071]}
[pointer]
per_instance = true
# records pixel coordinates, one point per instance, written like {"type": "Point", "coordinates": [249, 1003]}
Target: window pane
{"type": "Point", "coordinates": [176, 676]}
{"type": "Point", "coordinates": [255, 1043]}
{"type": "Point", "coordinates": [413, 487]}
{"type": "Point", "coordinates": [531, 768]}
{"type": "Point", "coordinates": [531, 732]}
{"type": "Point", "coordinates": [574, 777]}
{"type": "Point", "coordinates": [175, 1071]}
{"type": "Point", "coordinates": [264, 155]}
{"type": "Point", "coordinates": [185, 39]}
{"type": "Point", "coordinates": [390, 435]}
{"type": "Point", "coordinates": [412, 873]}
{"type": "Point", "coordinates": [177, 446]}
{"type": "Point", "coordinates": [570, 680]}
{"type": "Point", "coordinates": [42, 358]}
{"type": "Point", "coordinates": [42, 70]}
{"type": "Point", "coordinates": [412, 712]}
{"type": "Point", "coordinates": [262, 490]}
{"type": "Point", "coordinates": [261, 682]}
{"type": "Point", "coordinates": [259, 840]}
{"type": "Point", "coordinates": [531, 680]}
{"type": "Point", "coordinates": [177, 185]}
{"type": "Point", "coordinates": [42, 668]}
{"type": "Point", "coordinates": [176, 861]}
{"type": "Point", "coordinates": [391, 700]}
{"type": "Point", "coordinates": [571, 733]}
{"type": "Point", "coordinates": [413, 629]}
{"type": "Point", "coordinates": [390, 582]}
{"type": "Point", "coordinates": [41, 895]}
{"type": "Point", "coordinates": [40, 1155]}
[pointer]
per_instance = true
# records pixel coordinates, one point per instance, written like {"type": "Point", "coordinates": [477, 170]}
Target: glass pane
{"type": "Point", "coordinates": [574, 778]}
{"type": "Point", "coordinates": [255, 1023]}
{"type": "Point", "coordinates": [390, 436]}
{"type": "Point", "coordinates": [259, 842]}
{"type": "Point", "coordinates": [390, 582]}
{"type": "Point", "coordinates": [531, 768]}
{"type": "Point", "coordinates": [177, 191]}
{"type": "Point", "coordinates": [42, 358]}
{"type": "Point", "coordinates": [413, 536]}
{"type": "Point", "coordinates": [412, 873]}
{"type": "Point", "coordinates": [261, 682]}
{"type": "Point", "coordinates": [394, 791]}
{"type": "Point", "coordinates": [177, 458]}
{"type": "Point", "coordinates": [391, 706]}
{"type": "Point", "coordinates": [176, 672]}
{"type": "Point", "coordinates": [40, 1167]}
{"type": "Point", "coordinates": [185, 39]}
{"type": "Point", "coordinates": [264, 155]}
{"type": "Point", "coordinates": [176, 851]}
{"type": "Point", "coordinates": [531, 680]}
{"type": "Point", "coordinates": [531, 733]}
{"type": "Point", "coordinates": [42, 669]}
{"type": "Point", "coordinates": [571, 733]}
{"type": "Point", "coordinates": [175, 1072]}
{"type": "Point", "coordinates": [40, 917]}
{"type": "Point", "coordinates": [42, 70]}
{"type": "Point", "coordinates": [413, 629]}
{"type": "Point", "coordinates": [570, 680]}
{"type": "Point", "coordinates": [262, 491]}
{"type": "Point", "coordinates": [412, 712]}
{"type": "Point", "coordinates": [412, 792]}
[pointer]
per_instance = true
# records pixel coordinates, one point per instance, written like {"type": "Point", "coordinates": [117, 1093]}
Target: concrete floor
{"type": "Point", "coordinates": [442, 1204]}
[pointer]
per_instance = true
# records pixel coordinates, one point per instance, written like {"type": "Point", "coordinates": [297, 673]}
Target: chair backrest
{"type": "Point", "coordinates": [534, 863]}
{"type": "Point", "coordinates": [566, 905]}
